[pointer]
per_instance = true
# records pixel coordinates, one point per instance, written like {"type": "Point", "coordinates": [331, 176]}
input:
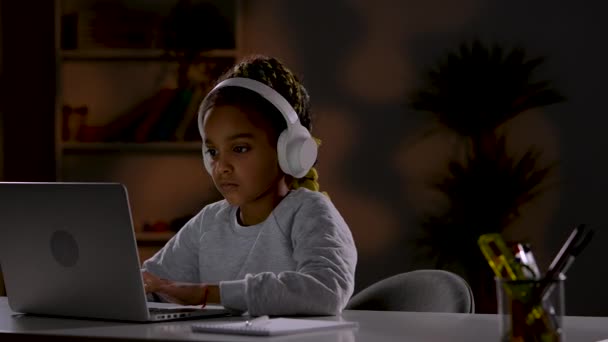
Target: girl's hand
{"type": "Point", "coordinates": [181, 293]}
{"type": "Point", "coordinates": [152, 282]}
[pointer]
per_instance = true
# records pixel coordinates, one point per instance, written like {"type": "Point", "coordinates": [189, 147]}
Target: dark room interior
{"type": "Point", "coordinates": [84, 84]}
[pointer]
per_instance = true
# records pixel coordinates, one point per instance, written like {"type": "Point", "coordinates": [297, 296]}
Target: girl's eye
{"type": "Point", "coordinates": [240, 149]}
{"type": "Point", "coordinates": [211, 152]}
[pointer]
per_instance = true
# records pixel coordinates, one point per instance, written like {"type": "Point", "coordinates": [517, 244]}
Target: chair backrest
{"type": "Point", "coordinates": [420, 290]}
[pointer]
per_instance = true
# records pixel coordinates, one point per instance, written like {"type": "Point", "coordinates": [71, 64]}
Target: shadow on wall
{"type": "Point", "coordinates": [474, 92]}
{"type": "Point", "coordinates": [572, 131]}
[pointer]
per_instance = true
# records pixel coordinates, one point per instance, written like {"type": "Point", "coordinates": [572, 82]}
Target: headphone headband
{"type": "Point", "coordinates": [271, 95]}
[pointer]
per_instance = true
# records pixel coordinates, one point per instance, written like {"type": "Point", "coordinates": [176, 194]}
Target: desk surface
{"type": "Point", "coordinates": [374, 326]}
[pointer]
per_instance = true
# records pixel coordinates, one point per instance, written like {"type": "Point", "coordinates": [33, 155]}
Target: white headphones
{"type": "Point", "coordinates": [296, 149]}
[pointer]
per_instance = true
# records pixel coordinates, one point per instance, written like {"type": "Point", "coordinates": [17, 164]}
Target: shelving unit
{"type": "Point", "coordinates": [165, 178]}
{"type": "Point", "coordinates": [126, 147]}
{"type": "Point", "coordinates": [134, 54]}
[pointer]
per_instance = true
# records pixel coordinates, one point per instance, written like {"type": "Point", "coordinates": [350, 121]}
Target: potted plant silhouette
{"type": "Point", "coordinates": [473, 91]}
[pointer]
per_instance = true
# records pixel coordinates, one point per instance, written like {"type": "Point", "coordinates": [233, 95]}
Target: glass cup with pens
{"type": "Point", "coordinates": [525, 315]}
{"type": "Point", "coordinates": [531, 306]}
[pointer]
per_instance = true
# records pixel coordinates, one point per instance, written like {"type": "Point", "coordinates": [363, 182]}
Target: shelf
{"type": "Point", "coordinates": [135, 54]}
{"type": "Point", "coordinates": [120, 147]}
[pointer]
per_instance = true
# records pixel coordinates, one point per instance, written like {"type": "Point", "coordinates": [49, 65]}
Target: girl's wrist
{"type": "Point", "coordinates": [211, 294]}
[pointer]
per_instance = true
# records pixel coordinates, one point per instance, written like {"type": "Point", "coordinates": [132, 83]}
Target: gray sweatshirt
{"type": "Point", "coordinates": [300, 260]}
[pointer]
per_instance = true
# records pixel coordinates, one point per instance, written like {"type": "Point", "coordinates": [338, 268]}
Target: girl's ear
{"type": "Point", "coordinates": [288, 180]}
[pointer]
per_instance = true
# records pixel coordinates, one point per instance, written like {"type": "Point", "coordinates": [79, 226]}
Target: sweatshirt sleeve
{"type": "Point", "coordinates": [325, 254]}
{"type": "Point", "coordinates": [178, 259]}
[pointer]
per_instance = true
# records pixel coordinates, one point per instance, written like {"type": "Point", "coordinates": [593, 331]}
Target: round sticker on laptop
{"type": "Point", "coordinates": [64, 248]}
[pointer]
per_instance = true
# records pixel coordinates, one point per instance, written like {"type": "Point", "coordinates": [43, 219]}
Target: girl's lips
{"type": "Point", "coordinates": [228, 186]}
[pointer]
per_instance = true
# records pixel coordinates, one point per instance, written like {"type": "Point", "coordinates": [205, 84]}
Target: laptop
{"type": "Point", "coordinates": [69, 249]}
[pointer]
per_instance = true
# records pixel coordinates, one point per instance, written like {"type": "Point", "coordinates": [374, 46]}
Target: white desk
{"type": "Point", "coordinates": [374, 326]}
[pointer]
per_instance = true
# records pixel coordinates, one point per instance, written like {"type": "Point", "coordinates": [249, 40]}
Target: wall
{"type": "Point", "coordinates": [359, 58]}
{"type": "Point", "coordinates": [27, 96]}
{"type": "Point", "coordinates": [1, 111]}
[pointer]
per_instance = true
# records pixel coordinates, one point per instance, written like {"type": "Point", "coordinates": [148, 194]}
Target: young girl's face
{"type": "Point", "coordinates": [242, 147]}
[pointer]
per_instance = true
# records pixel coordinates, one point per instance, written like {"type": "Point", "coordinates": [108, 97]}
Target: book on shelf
{"type": "Point", "coordinates": [190, 114]}
{"type": "Point", "coordinates": [170, 115]}
{"type": "Point", "coordinates": [173, 114]}
{"type": "Point", "coordinates": [162, 100]}
{"type": "Point", "coordinates": [191, 133]}
{"type": "Point", "coordinates": [123, 127]}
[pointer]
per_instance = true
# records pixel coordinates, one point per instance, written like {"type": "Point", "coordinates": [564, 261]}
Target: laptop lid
{"type": "Point", "coordinates": [69, 249]}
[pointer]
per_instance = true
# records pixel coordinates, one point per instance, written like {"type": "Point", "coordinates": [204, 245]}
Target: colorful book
{"type": "Point", "coordinates": [122, 127]}
{"type": "Point", "coordinates": [190, 115]}
{"type": "Point", "coordinates": [164, 128]}
{"type": "Point", "coordinates": [156, 107]}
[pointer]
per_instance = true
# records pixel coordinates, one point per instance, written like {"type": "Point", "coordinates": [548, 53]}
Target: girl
{"type": "Point", "coordinates": [274, 245]}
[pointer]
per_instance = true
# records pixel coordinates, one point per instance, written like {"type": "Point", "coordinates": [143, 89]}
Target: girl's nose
{"type": "Point", "coordinates": [222, 165]}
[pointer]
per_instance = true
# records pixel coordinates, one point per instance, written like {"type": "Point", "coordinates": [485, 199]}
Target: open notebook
{"type": "Point", "coordinates": [273, 327]}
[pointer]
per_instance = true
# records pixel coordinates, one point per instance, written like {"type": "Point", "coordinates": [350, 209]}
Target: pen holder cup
{"type": "Point", "coordinates": [531, 310]}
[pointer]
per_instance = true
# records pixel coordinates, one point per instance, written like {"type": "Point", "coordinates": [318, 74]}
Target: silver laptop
{"type": "Point", "coordinates": [69, 249]}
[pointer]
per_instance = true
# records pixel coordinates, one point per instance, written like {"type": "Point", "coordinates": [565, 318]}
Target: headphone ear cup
{"type": "Point", "coordinates": [206, 157]}
{"type": "Point", "coordinates": [282, 152]}
{"type": "Point", "coordinates": [296, 150]}
{"type": "Point", "coordinates": [207, 162]}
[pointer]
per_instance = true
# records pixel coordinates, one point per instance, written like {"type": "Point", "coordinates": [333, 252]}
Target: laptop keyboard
{"type": "Point", "coordinates": [173, 310]}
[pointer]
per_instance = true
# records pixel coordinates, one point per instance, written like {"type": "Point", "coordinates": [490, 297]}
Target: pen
{"type": "Point", "coordinates": [576, 242]}
{"type": "Point", "coordinates": [574, 245]}
{"type": "Point", "coordinates": [261, 320]}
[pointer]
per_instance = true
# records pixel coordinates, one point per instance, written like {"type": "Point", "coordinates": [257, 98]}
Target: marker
{"type": "Point", "coordinates": [524, 256]}
{"type": "Point", "coordinates": [500, 257]}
